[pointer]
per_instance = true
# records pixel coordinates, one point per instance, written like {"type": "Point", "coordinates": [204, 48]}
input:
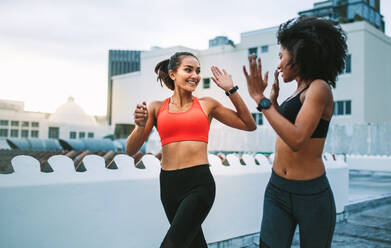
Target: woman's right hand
{"type": "Point", "coordinates": [141, 114]}
{"type": "Point", "coordinates": [275, 88]}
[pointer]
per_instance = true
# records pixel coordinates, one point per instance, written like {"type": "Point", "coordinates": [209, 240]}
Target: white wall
{"type": "Point", "coordinates": [378, 76]}
{"type": "Point", "coordinates": [121, 208]}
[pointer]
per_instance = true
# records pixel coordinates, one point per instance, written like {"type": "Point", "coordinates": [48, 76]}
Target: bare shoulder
{"type": "Point", "coordinates": [154, 106]}
{"type": "Point", "coordinates": [319, 88]}
{"type": "Point", "coordinates": [319, 85]}
{"type": "Point", "coordinates": [208, 101]}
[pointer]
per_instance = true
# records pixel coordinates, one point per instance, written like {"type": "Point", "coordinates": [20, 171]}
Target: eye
{"type": "Point", "coordinates": [198, 71]}
{"type": "Point", "coordinates": [188, 69]}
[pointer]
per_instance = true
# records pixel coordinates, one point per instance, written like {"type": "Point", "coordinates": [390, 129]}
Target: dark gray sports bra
{"type": "Point", "coordinates": [290, 109]}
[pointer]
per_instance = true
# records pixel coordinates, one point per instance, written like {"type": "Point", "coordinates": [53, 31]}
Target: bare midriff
{"type": "Point", "coordinates": [304, 164]}
{"type": "Point", "coordinates": [184, 154]}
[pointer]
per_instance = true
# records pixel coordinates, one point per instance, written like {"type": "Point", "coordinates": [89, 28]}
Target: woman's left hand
{"type": "Point", "coordinates": [255, 83]}
{"type": "Point", "coordinates": [222, 79]}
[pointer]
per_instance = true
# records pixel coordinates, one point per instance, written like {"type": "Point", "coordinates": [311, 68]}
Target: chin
{"type": "Point", "coordinates": [287, 80]}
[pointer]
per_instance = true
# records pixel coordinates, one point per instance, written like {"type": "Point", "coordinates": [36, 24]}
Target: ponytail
{"type": "Point", "coordinates": [161, 70]}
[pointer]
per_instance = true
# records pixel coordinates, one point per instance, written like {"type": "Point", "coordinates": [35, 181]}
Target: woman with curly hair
{"type": "Point", "coordinates": [187, 187]}
{"type": "Point", "coordinates": [312, 52]}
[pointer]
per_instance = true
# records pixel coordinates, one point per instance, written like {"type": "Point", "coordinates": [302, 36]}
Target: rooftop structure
{"type": "Point", "coordinates": [345, 11]}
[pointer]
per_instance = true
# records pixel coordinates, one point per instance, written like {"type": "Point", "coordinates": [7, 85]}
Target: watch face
{"type": "Point", "coordinates": [265, 103]}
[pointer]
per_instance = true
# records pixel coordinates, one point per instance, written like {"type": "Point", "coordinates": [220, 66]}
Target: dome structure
{"type": "Point", "coordinates": [72, 113]}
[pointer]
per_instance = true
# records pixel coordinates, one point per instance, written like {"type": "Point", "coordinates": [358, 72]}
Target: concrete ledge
{"type": "Point", "coordinates": [364, 205]}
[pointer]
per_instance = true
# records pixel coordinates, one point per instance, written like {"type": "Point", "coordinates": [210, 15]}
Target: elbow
{"type": "Point", "coordinates": [297, 145]}
{"type": "Point", "coordinates": [129, 151]}
{"type": "Point", "coordinates": [252, 127]}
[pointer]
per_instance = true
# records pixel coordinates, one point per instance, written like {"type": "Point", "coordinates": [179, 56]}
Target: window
{"type": "Point", "coordinates": [206, 83]}
{"type": "Point", "coordinates": [25, 133]}
{"type": "Point", "coordinates": [264, 49]}
{"type": "Point", "coordinates": [343, 107]}
{"type": "Point", "coordinates": [14, 133]}
{"type": "Point", "coordinates": [82, 135]}
{"type": "Point", "coordinates": [72, 135]}
{"type": "Point", "coordinates": [25, 124]}
{"type": "Point", "coordinates": [15, 123]}
{"type": "Point", "coordinates": [90, 135]}
{"type": "Point", "coordinates": [3, 132]}
{"type": "Point", "coordinates": [253, 50]}
{"type": "Point", "coordinates": [54, 132]}
{"type": "Point", "coordinates": [35, 124]}
{"type": "Point", "coordinates": [3, 122]}
{"type": "Point", "coordinates": [348, 64]}
{"type": "Point", "coordinates": [34, 133]}
{"type": "Point", "coordinates": [348, 107]}
{"type": "Point", "coordinates": [258, 118]}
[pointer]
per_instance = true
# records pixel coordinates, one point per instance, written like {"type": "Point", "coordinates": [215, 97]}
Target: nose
{"type": "Point", "coordinates": [279, 66]}
{"type": "Point", "coordinates": [195, 75]}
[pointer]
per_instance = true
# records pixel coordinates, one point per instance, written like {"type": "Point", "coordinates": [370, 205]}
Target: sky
{"type": "Point", "coordinates": [53, 49]}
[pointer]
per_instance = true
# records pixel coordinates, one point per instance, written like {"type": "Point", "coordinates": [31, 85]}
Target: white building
{"type": "Point", "coordinates": [360, 96]}
{"type": "Point", "coordinates": [68, 122]}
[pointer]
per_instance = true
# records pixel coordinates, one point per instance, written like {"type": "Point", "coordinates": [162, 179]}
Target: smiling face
{"type": "Point", "coordinates": [187, 75]}
{"type": "Point", "coordinates": [288, 72]}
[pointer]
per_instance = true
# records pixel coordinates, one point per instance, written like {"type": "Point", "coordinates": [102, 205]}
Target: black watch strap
{"type": "Point", "coordinates": [231, 91]}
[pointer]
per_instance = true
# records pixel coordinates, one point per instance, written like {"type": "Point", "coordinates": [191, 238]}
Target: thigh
{"type": "Point", "coordinates": [278, 224]}
{"type": "Point", "coordinates": [199, 240]}
{"type": "Point", "coordinates": [170, 203]}
{"type": "Point", "coordinates": [316, 217]}
{"type": "Point", "coordinates": [186, 225]}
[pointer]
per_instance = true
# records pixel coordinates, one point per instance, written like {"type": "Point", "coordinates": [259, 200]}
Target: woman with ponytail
{"type": "Point", "coordinates": [187, 187]}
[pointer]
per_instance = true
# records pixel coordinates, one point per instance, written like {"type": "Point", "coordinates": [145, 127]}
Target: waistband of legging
{"type": "Point", "coordinates": [198, 174]}
{"type": "Point", "coordinates": [312, 186]}
{"type": "Point", "coordinates": [186, 171]}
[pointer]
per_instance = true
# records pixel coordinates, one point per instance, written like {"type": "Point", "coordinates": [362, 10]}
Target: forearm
{"type": "Point", "coordinates": [135, 141]}
{"type": "Point", "coordinates": [243, 111]}
{"type": "Point", "coordinates": [287, 131]}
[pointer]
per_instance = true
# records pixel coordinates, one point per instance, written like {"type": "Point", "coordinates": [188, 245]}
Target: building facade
{"type": "Point", "coordinates": [360, 96]}
{"type": "Point", "coordinates": [120, 62]}
{"type": "Point", "coordinates": [68, 122]}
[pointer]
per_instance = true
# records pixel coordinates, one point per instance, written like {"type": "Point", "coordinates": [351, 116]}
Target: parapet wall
{"type": "Point", "coordinates": [371, 163]}
{"type": "Point", "coordinates": [121, 208]}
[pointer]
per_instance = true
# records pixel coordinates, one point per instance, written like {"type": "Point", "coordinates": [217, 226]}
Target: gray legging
{"type": "Point", "coordinates": [288, 203]}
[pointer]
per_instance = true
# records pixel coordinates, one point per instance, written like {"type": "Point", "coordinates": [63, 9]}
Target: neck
{"type": "Point", "coordinates": [301, 84]}
{"type": "Point", "coordinates": [181, 98]}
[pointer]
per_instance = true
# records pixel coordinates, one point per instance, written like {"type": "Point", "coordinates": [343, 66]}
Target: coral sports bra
{"type": "Point", "coordinates": [193, 124]}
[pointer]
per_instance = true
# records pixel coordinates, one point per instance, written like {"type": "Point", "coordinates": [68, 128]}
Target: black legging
{"type": "Point", "coordinates": [288, 203]}
{"type": "Point", "coordinates": [187, 196]}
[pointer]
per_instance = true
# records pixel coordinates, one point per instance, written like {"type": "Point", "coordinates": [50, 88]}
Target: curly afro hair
{"type": "Point", "coordinates": [317, 47]}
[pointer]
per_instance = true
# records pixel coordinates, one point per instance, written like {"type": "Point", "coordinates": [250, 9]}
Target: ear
{"type": "Point", "coordinates": [171, 74]}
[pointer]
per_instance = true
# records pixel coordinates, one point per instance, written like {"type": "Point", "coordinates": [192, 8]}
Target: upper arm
{"type": "Point", "coordinates": [316, 99]}
{"type": "Point", "coordinates": [153, 110]}
{"type": "Point", "coordinates": [223, 114]}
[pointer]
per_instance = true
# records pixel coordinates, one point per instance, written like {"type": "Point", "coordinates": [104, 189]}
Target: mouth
{"type": "Point", "coordinates": [192, 83]}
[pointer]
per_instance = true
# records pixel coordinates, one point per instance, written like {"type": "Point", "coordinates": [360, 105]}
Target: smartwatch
{"type": "Point", "coordinates": [264, 103]}
{"type": "Point", "coordinates": [231, 91]}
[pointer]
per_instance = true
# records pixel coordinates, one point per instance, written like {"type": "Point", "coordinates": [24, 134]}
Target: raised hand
{"type": "Point", "coordinates": [275, 88]}
{"type": "Point", "coordinates": [141, 114]}
{"type": "Point", "coordinates": [255, 83]}
{"type": "Point", "coordinates": [222, 79]}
